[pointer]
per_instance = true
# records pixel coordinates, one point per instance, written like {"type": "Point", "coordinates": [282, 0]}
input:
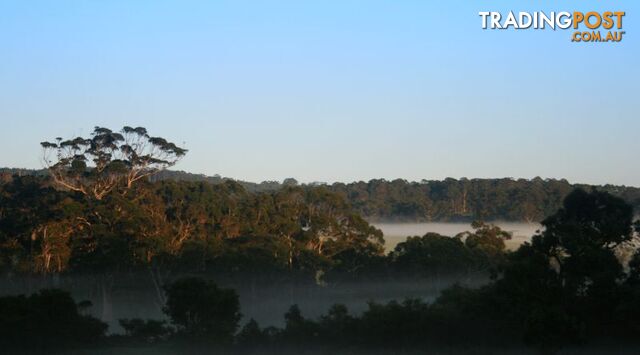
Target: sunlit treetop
{"type": "Point", "coordinates": [108, 160]}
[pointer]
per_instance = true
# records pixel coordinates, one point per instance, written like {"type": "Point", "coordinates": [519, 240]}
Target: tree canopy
{"type": "Point", "coordinates": [108, 160]}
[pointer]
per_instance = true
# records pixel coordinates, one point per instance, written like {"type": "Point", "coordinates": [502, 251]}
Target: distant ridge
{"type": "Point", "coordinates": [529, 200]}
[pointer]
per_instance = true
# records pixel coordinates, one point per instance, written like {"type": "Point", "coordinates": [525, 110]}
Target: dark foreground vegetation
{"type": "Point", "coordinates": [96, 215]}
{"type": "Point", "coordinates": [568, 287]}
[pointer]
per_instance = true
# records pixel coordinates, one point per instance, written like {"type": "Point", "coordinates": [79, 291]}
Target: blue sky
{"type": "Point", "coordinates": [326, 90]}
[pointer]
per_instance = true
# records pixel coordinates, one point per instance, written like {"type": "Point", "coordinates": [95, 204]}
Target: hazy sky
{"type": "Point", "coordinates": [326, 90]}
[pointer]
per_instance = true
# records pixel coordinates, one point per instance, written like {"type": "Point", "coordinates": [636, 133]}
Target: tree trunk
{"type": "Point", "coordinates": [106, 288]}
{"type": "Point", "coordinates": [156, 278]}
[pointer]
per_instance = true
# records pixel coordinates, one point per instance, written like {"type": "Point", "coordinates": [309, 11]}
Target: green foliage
{"type": "Point", "coordinates": [465, 199]}
{"type": "Point", "coordinates": [486, 243]}
{"type": "Point", "coordinates": [428, 200]}
{"type": "Point", "coordinates": [432, 255]}
{"type": "Point", "coordinates": [183, 226]}
{"type": "Point", "coordinates": [108, 161]}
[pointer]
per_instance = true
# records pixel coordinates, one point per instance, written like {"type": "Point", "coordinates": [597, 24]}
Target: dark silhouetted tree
{"type": "Point", "coordinates": [48, 320]}
{"type": "Point", "coordinates": [200, 309]}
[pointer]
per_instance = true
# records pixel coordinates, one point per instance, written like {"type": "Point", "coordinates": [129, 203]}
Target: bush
{"type": "Point", "coordinates": [51, 320]}
{"type": "Point", "coordinates": [200, 309]}
{"type": "Point", "coordinates": [149, 330]}
{"type": "Point", "coordinates": [252, 336]}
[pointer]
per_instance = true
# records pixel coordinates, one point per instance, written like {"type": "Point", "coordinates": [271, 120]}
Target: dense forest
{"type": "Point", "coordinates": [102, 218]}
{"type": "Point", "coordinates": [467, 199]}
{"type": "Point", "coordinates": [98, 210]}
{"type": "Point", "coordinates": [449, 200]}
{"type": "Point", "coordinates": [568, 287]}
{"type": "Point", "coordinates": [379, 200]}
{"type": "Point", "coordinates": [202, 227]}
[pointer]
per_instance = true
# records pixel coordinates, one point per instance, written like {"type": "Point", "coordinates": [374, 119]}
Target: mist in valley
{"type": "Point", "coordinates": [136, 296]}
{"type": "Point", "coordinates": [133, 295]}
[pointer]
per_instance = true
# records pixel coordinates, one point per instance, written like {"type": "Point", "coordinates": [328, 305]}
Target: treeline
{"type": "Point", "coordinates": [467, 199]}
{"type": "Point", "coordinates": [449, 200]}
